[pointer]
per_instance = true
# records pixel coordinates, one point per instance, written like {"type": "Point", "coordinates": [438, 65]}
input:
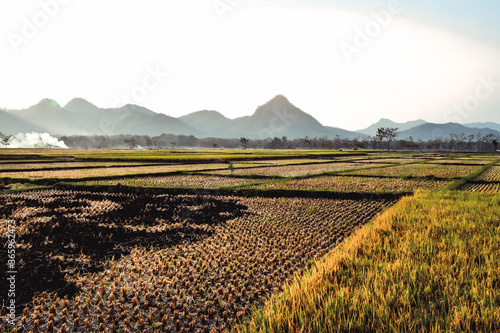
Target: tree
{"type": "Point", "coordinates": [4, 139]}
{"type": "Point", "coordinates": [275, 143]}
{"type": "Point", "coordinates": [493, 139]}
{"type": "Point", "coordinates": [388, 133]}
{"type": "Point", "coordinates": [131, 143]}
{"type": "Point", "coordinates": [337, 141]}
{"type": "Point", "coordinates": [149, 142]}
{"type": "Point", "coordinates": [306, 142]}
{"type": "Point", "coordinates": [379, 137]}
{"type": "Point", "coordinates": [391, 134]}
{"type": "Point", "coordinates": [355, 142]}
{"type": "Point", "coordinates": [284, 142]}
{"type": "Point", "coordinates": [244, 142]}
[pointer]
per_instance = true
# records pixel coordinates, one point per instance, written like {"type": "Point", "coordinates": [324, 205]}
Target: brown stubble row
{"type": "Point", "coordinates": [181, 263]}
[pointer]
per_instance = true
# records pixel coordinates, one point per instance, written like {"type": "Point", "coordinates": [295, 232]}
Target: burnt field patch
{"type": "Point", "coordinates": [61, 232]}
{"type": "Point", "coordinates": [135, 259]}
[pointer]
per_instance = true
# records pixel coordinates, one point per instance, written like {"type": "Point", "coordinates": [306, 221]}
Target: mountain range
{"type": "Point", "coordinates": [276, 118]}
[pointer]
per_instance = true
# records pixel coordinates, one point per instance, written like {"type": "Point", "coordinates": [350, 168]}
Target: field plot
{"type": "Point", "coordinates": [428, 264]}
{"type": "Point", "coordinates": [24, 160]}
{"type": "Point", "coordinates": [293, 170]}
{"type": "Point", "coordinates": [491, 175]}
{"type": "Point", "coordinates": [191, 261]}
{"type": "Point", "coordinates": [389, 160]}
{"type": "Point", "coordinates": [204, 181]}
{"type": "Point", "coordinates": [355, 184]}
{"type": "Point", "coordinates": [173, 155]}
{"type": "Point", "coordinates": [419, 170]}
{"type": "Point", "coordinates": [294, 161]}
{"type": "Point", "coordinates": [100, 172]}
{"type": "Point", "coordinates": [37, 165]}
{"type": "Point", "coordinates": [482, 187]}
{"type": "Point", "coordinates": [460, 161]}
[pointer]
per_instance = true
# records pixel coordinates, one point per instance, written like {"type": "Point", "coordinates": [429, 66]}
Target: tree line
{"type": "Point", "coordinates": [384, 139]}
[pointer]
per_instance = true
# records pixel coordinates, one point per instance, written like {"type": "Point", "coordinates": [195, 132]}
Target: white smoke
{"type": "Point", "coordinates": [35, 140]}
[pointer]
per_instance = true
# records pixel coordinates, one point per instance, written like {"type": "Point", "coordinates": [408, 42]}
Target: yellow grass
{"type": "Point", "coordinates": [431, 263]}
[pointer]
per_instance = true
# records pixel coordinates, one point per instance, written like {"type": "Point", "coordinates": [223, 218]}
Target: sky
{"type": "Point", "coordinates": [347, 63]}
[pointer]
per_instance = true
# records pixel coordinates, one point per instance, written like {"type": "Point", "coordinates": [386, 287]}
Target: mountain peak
{"type": "Point", "coordinates": [49, 102]}
{"type": "Point", "coordinates": [79, 103]}
{"type": "Point", "coordinates": [278, 101]}
{"type": "Point", "coordinates": [206, 114]}
{"type": "Point", "coordinates": [384, 122]}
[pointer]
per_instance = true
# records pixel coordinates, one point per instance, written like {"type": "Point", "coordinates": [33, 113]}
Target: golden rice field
{"type": "Point", "coordinates": [431, 263]}
{"type": "Point", "coordinates": [419, 170]}
{"type": "Point", "coordinates": [204, 181]}
{"type": "Point", "coordinates": [355, 184]}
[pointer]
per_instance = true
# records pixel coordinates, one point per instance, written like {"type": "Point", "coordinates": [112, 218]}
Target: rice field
{"type": "Point", "coordinates": [266, 242]}
{"type": "Point", "coordinates": [428, 264]}
{"type": "Point", "coordinates": [491, 175]}
{"type": "Point", "coordinates": [389, 160]}
{"type": "Point", "coordinates": [295, 161]}
{"type": "Point", "coordinates": [292, 170]}
{"type": "Point", "coordinates": [481, 187]}
{"type": "Point", "coordinates": [419, 170]}
{"type": "Point", "coordinates": [460, 161]}
{"type": "Point", "coordinates": [24, 161]}
{"type": "Point", "coordinates": [355, 184]}
{"type": "Point", "coordinates": [62, 165]}
{"type": "Point", "coordinates": [111, 171]}
{"type": "Point", "coordinates": [166, 262]}
{"type": "Point", "coordinates": [203, 181]}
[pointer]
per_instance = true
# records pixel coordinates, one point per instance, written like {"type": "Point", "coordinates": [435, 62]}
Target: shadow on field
{"type": "Point", "coordinates": [61, 228]}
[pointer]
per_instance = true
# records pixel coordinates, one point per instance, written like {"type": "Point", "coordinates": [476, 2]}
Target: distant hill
{"type": "Point", "coordinates": [11, 124]}
{"type": "Point", "coordinates": [49, 115]}
{"type": "Point", "coordinates": [80, 117]}
{"type": "Point", "coordinates": [276, 118]}
{"type": "Point", "coordinates": [372, 129]}
{"type": "Point", "coordinates": [431, 131]}
{"type": "Point", "coordinates": [493, 126]}
{"type": "Point", "coordinates": [209, 123]}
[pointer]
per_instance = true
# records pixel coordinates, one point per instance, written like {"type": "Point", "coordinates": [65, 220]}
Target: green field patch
{"type": "Point", "coordinates": [174, 155]}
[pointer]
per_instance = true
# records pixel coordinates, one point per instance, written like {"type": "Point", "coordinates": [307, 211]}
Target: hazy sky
{"type": "Point", "coordinates": [347, 63]}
